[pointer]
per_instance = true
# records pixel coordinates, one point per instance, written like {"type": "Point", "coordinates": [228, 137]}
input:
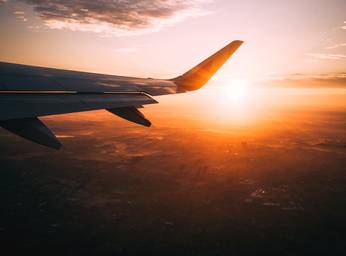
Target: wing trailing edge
{"type": "Point", "coordinates": [25, 104]}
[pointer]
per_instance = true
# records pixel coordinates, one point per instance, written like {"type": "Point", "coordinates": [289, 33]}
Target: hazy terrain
{"type": "Point", "coordinates": [186, 186]}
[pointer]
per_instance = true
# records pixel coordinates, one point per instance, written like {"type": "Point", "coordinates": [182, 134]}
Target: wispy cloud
{"type": "Point", "coordinates": [331, 80]}
{"type": "Point", "coordinates": [327, 56]}
{"type": "Point", "coordinates": [117, 17]}
{"type": "Point", "coordinates": [335, 46]}
{"type": "Point", "coordinates": [21, 15]}
{"type": "Point", "coordinates": [127, 50]}
{"type": "Point", "coordinates": [344, 26]}
{"type": "Point", "coordinates": [35, 28]}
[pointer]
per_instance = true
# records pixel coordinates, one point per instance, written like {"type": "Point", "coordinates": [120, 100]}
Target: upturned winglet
{"type": "Point", "coordinates": [198, 76]}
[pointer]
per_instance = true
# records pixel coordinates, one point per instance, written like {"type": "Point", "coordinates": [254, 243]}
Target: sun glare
{"type": "Point", "coordinates": [233, 93]}
{"type": "Point", "coordinates": [231, 101]}
{"type": "Point", "coordinates": [237, 90]}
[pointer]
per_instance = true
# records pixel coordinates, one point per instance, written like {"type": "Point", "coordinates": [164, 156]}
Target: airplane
{"type": "Point", "coordinates": [28, 92]}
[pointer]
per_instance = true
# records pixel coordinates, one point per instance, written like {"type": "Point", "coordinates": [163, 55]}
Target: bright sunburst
{"type": "Point", "coordinates": [237, 90]}
{"type": "Point", "coordinates": [230, 101]}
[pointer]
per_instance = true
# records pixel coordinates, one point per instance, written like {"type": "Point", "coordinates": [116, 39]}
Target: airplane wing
{"type": "Point", "coordinates": [28, 92]}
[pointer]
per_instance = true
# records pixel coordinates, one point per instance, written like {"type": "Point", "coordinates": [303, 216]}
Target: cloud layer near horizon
{"type": "Point", "coordinates": [334, 80]}
{"type": "Point", "coordinates": [118, 17]}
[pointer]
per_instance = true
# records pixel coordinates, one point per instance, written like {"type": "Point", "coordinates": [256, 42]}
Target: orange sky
{"type": "Point", "coordinates": [165, 38]}
{"type": "Point", "coordinates": [300, 44]}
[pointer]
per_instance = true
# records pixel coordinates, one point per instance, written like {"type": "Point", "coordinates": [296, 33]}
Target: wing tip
{"type": "Point", "coordinates": [234, 45]}
{"type": "Point", "coordinates": [199, 75]}
{"type": "Point", "coordinates": [240, 42]}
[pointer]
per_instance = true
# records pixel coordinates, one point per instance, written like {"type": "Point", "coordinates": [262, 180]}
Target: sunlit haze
{"type": "Point", "coordinates": [251, 163]}
{"type": "Point", "coordinates": [292, 49]}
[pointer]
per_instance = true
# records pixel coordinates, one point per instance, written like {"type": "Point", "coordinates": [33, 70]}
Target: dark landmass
{"type": "Point", "coordinates": [119, 189]}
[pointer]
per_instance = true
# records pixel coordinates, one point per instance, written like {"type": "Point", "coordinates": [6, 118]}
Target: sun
{"type": "Point", "coordinates": [237, 90]}
{"type": "Point", "coordinates": [231, 102]}
{"type": "Point", "coordinates": [234, 92]}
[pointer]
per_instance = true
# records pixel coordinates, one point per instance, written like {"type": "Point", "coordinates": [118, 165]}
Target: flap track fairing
{"type": "Point", "coordinates": [131, 114]}
{"type": "Point", "coordinates": [32, 129]}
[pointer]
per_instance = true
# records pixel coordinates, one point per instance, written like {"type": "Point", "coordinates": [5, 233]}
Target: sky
{"type": "Point", "coordinates": [284, 40]}
{"type": "Point", "coordinates": [246, 162]}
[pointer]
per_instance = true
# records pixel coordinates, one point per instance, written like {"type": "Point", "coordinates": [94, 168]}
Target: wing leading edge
{"type": "Point", "coordinates": [27, 92]}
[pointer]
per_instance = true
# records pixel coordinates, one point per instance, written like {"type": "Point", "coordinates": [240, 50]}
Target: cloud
{"type": "Point", "coordinates": [327, 56]}
{"type": "Point", "coordinates": [36, 28]}
{"type": "Point", "coordinates": [332, 80]}
{"type": "Point", "coordinates": [120, 17]}
{"type": "Point", "coordinates": [127, 50]}
{"type": "Point", "coordinates": [344, 26]}
{"type": "Point", "coordinates": [21, 16]}
{"type": "Point", "coordinates": [336, 46]}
